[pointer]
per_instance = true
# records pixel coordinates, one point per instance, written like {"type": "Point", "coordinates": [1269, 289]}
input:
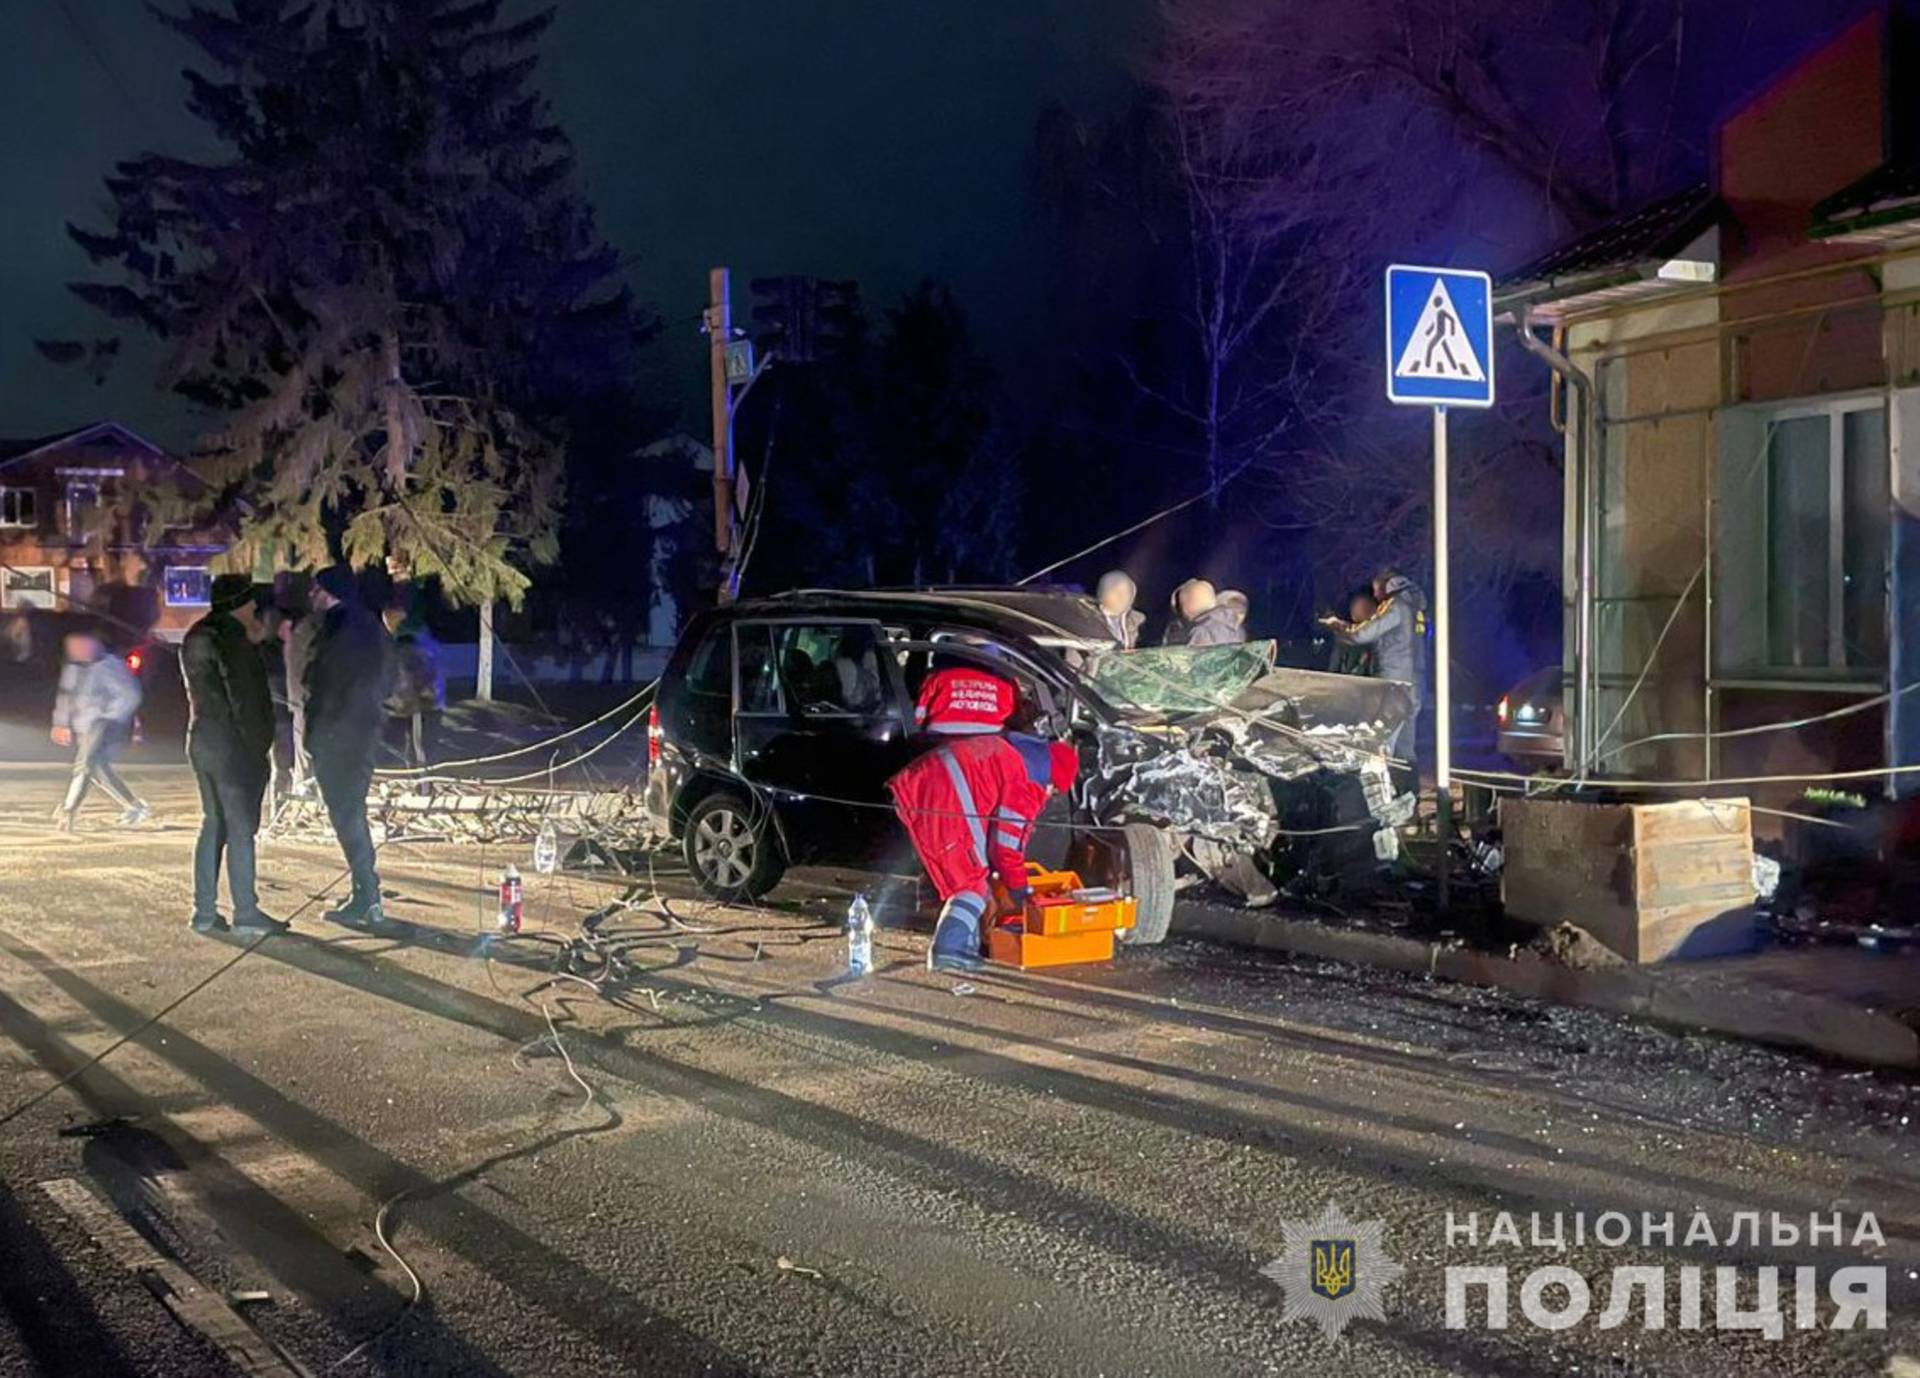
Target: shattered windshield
{"type": "Point", "coordinates": [1180, 679]}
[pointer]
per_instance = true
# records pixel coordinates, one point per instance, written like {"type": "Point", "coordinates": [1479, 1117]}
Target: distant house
{"type": "Point", "coordinates": [1746, 482]}
{"type": "Point", "coordinates": [58, 550]}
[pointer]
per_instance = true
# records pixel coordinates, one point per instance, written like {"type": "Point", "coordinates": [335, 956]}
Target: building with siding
{"type": "Point", "coordinates": [1742, 437]}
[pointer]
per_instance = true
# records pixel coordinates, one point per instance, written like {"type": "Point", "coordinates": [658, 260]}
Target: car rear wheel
{"type": "Point", "coordinates": [1150, 858]}
{"type": "Point", "coordinates": [730, 847]}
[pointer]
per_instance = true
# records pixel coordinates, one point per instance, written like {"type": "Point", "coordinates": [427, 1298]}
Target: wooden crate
{"type": "Point", "coordinates": [1654, 882]}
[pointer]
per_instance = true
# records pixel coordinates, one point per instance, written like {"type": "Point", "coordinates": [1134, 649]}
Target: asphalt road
{"type": "Point", "coordinates": [763, 1168]}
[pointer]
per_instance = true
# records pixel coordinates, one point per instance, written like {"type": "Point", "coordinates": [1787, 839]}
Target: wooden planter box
{"type": "Point", "coordinates": [1653, 882]}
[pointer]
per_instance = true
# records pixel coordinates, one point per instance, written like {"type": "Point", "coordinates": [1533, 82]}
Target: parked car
{"type": "Point", "coordinates": [1533, 722]}
{"type": "Point", "coordinates": [778, 722]}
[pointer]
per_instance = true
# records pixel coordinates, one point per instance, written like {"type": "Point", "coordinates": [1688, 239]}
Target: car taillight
{"type": "Point", "coordinates": [655, 737]}
{"type": "Point", "coordinates": [134, 661]}
{"type": "Point", "coordinates": [1501, 710]}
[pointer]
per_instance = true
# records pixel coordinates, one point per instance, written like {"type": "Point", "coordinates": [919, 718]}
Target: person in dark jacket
{"type": "Point", "coordinates": [1199, 620]}
{"type": "Point", "coordinates": [230, 747]}
{"type": "Point", "coordinates": [1397, 635]}
{"type": "Point", "coordinates": [1349, 658]}
{"type": "Point", "coordinates": [344, 678]}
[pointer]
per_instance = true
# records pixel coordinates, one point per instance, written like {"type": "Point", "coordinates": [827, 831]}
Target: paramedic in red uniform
{"type": "Point", "coordinates": [969, 805]}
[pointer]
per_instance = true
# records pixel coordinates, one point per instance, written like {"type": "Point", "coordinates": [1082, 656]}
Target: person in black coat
{"type": "Point", "coordinates": [230, 747]}
{"type": "Point", "coordinates": [345, 677]}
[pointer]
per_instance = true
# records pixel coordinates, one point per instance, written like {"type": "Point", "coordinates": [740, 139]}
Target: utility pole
{"type": "Point", "coordinates": [726, 526]}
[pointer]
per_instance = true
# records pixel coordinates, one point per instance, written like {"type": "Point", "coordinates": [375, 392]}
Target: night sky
{"type": "Point", "coordinates": [875, 139]}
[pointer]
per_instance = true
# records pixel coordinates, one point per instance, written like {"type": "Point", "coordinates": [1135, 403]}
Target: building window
{"type": "Point", "coordinates": [188, 586]}
{"type": "Point", "coordinates": [17, 508]}
{"type": "Point", "coordinates": [83, 499]}
{"type": "Point", "coordinates": [1827, 496]}
{"type": "Point", "coordinates": [29, 586]}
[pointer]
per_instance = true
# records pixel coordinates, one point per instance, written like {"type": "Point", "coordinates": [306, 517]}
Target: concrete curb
{"type": "Point", "coordinates": [1676, 996]}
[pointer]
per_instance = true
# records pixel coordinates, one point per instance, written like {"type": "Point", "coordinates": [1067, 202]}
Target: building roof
{"type": "Point", "coordinates": [1884, 205]}
{"type": "Point", "coordinates": [1670, 243]}
{"type": "Point", "coordinates": [17, 451]}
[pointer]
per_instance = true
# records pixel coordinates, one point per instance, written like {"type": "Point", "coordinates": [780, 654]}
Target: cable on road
{"type": "Point", "coordinates": [165, 1009]}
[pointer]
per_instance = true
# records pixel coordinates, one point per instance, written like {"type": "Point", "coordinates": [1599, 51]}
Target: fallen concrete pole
{"type": "Point", "coordinates": [1680, 997]}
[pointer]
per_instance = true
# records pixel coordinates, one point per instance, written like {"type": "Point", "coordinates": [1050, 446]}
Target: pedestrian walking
{"type": "Point", "coordinates": [1397, 634]}
{"type": "Point", "coordinates": [1116, 593]}
{"type": "Point", "coordinates": [345, 683]}
{"type": "Point", "coordinates": [230, 747]}
{"type": "Point", "coordinates": [93, 713]}
{"type": "Point", "coordinates": [419, 696]}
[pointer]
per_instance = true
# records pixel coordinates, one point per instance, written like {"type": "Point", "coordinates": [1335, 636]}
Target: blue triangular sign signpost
{"type": "Point", "coordinates": [1439, 337]}
{"type": "Point", "coordinates": [1440, 355]}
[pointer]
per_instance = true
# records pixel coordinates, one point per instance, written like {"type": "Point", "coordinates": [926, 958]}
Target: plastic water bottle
{"type": "Point", "coordinates": [859, 937]}
{"type": "Point", "coordinates": [546, 849]}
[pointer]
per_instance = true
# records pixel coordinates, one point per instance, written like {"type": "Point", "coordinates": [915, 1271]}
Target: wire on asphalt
{"type": "Point", "coordinates": [165, 1009]}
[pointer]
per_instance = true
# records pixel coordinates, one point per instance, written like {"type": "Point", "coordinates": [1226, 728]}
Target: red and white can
{"type": "Point", "coordinates": [510, 900]}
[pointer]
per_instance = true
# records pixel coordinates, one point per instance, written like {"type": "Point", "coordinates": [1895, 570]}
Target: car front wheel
{"type": "Point", "coordinates": [730, 848]}
{"type": "Point", "coordinates": [1150, 857]}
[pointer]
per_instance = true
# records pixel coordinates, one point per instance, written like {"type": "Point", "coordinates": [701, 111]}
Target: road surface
{"type": "Point", "coordinates": [736, 1162]}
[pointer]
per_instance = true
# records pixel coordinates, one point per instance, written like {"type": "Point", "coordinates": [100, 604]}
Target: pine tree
{"type": "Point", "coordinates": [386, 292]}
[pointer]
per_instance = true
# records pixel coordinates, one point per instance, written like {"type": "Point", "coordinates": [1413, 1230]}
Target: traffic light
{"type": "Point", "coordinates": [838, 323]}
{"type": "Point", "coordinates": [804, 320]}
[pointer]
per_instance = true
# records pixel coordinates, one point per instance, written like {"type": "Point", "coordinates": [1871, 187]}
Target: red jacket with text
{"type": "Point", "coordinates": [962, 700]}
{"type": "Point", "coordinates": [969, 806]}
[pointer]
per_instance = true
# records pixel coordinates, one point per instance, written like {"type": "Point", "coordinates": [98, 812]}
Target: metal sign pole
{"type": "Point", "coordinates": [1443, 662]}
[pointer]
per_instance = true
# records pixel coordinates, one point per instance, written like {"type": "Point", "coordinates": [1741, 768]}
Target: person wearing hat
{"type": "Point", "coordinates": [230, 747]}
{"type": "Point", "coordinates": [345, 681]}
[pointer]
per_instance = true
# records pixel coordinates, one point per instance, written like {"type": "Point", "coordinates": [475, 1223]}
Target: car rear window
{"type": "Point", "coordinates": [710, 668]}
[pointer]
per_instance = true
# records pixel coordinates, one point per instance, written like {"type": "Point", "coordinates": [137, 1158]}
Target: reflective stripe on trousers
{"type": "Point", "coordinates": [964, 796]}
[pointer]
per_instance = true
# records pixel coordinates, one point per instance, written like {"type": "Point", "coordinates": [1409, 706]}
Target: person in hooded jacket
{"type": "Point", "coordinates": [345, 678]}
{"type": "Point", "coordinates": [1397, 634]}
{"type": "Point", "coordinates": [1200, 620]}
{"type": "Point", "coordinates": [230, 747]}
{"type": "Point", "coordinates": [94, 712]}
{"type": "Point", "coordinates": [1116, 593]}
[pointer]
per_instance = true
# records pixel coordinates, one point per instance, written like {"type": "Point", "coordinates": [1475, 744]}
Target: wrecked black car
{"type": "Point", "coordinates": [779, 720]}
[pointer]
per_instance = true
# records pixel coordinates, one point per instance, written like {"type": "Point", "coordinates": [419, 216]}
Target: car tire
{"type": "Point", "coordinates": [1150, 857]}
{"type": "Point", "coordinates": [731, 848]}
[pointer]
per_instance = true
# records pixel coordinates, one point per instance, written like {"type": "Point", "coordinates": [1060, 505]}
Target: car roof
{"type": "Point", "coordinates": [1044, 614]}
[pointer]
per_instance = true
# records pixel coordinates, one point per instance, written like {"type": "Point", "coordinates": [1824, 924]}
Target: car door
{"type": "Point", "coordinates": [820, 722]}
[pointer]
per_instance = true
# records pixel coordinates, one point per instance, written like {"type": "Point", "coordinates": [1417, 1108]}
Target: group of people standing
{"type": "Point", "coordinates": [338, 667]}
{"type": "Point", "coordinates": [1199, 615]}
{"type": "Point", "coordinates": [1384, 633]}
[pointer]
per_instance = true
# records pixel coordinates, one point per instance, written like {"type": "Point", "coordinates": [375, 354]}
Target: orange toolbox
{"type": "Point", "coordinates": [1064, 923]}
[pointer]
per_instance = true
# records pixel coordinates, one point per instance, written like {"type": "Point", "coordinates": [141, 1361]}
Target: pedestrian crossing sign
{"type": "Point", "coordinates": [1439, 337]}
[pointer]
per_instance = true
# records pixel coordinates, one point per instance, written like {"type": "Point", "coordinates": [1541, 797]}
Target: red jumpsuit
{"type": "Point", "coordinates": [969, 807]}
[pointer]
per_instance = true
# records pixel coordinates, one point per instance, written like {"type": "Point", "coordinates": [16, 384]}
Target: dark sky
{"type": "Point", "coordinates": [876, 139]}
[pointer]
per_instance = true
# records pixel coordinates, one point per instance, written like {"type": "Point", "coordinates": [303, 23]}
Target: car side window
{"type": "Point", "coordinates": [710, 668]}
{"type": "Point", "coordinates": [832, 671]}
{"type": "Point", "coordinates": [759, 677]}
